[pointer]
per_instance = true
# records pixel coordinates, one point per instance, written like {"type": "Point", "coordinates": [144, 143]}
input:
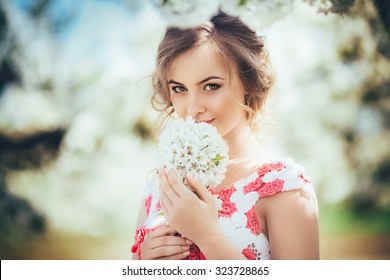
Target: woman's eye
{"type": "Point", "coordinates": [212, 87]}
{"type": "Point", "coordinates": [178, 89]}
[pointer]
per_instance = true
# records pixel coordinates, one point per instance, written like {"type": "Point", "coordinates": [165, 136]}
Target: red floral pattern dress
{"type": "Point", "coordinates": [236, 207]}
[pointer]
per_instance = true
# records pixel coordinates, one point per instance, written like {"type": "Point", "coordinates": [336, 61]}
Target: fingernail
{"type": "Point", "coordinates": [186, 248]}
{"type": "Point", "coordinates": [186, 253]}
{"type": "Point", "coordinates": [188, 241]}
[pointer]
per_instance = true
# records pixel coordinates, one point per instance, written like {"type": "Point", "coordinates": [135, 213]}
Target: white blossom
{"type": "Point", "coordinates": [186, 13]}
{"type": "Point", "coordinates": [257, 14]}
{"type": "Point", "coordinates": [193, 148]}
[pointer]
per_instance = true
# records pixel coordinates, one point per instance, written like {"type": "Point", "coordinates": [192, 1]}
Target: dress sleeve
{"type": "Point", "coordinates": [285, 175]}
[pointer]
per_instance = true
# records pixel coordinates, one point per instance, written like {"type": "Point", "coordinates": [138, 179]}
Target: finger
{"type": "Point", "coordinates": [166, 235]}
{"type": "Point", "coordinates": [176, 183]}
{"type": "Point", "coordinates": [165, 204]}
{"type": "Point", "coordinates": [162, 231]}
{"type": "Point", "coordinates": [168, 245]}
{"type": "Point", "coordinates": [169, 248]}
{"type": "Point", "coordinates": [165, 253]}
{"type": "Point", "coordinates": [164, 247]}
{"type": "Point", "coordinates": [166, 187]}
{"type": "Point", "coordinates": [198, 188]}
{"type": "Point", "coordinates": [165, 201]}
{"type": "Point", "coordinates": [169, 231]}
{"type": "Point", "coordinates": [164, 198]}
{"type": "Point", "coordinates": [172, 240]}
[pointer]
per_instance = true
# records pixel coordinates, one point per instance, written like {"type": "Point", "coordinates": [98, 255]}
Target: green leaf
{"type": "Point", "coordinates": [242, 3]}
{"type": "Point", "coordinates": [218, 158]}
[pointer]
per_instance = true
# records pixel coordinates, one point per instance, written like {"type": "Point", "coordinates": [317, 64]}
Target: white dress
{"type": "Point", "coordinates": [236, 207]}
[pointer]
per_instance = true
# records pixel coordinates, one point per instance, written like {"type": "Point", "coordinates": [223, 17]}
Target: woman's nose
{"type": "Point", "coordinates": [195, 105]}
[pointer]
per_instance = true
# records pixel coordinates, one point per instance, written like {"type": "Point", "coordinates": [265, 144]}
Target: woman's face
{"type": "Point", "coordinates": [201, 87]}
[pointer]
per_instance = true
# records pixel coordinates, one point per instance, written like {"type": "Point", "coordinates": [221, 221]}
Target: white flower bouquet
{"type": "Point", "coordinates": [193, 148]}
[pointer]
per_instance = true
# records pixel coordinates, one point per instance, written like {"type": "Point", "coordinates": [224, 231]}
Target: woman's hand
{"type": "Point", "coordinates": [192, 212]}
{"type": "Point", "coordinates": [162, 244]}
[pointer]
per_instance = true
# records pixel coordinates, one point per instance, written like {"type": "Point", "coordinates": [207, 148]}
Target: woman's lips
{"type": "Point", "coordinates": [206, 121]}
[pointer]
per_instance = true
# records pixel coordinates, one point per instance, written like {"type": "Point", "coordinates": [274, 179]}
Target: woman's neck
{"type": "Point", "coordinates": [241, 142]}
{"type": "Point", "coordinates": [245, 155]}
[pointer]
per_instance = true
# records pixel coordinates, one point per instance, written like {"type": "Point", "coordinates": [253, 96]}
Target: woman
{"type": "Point", "coordinates": [219, 73]}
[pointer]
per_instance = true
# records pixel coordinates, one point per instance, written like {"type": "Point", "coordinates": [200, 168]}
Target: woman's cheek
{"type": "Point", "coordinates": [179, 108]}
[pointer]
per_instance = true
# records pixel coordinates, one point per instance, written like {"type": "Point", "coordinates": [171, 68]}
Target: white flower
{"type": "Point", "coordinates": [193, 148]}
{"type": "Point", "coordinates": [259, 15]}
{"type": "Point", "coordinates": [186, 13]}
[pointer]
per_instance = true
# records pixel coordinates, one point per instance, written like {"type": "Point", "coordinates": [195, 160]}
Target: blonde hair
{"type": "Point", "coordinates": [237, 44]}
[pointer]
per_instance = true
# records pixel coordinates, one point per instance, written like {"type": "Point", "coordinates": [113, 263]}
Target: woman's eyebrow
{"type": "Point", "coordinates": [209, 78]}
{"type": "Point", "coordinates": [174, 82]}
{"type": "Point", "coordinates": [198, 83]}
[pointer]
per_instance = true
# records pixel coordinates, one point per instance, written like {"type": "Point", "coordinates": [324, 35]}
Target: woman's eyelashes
{"type": "Point", "coordinates": [178, 89]}
{"type": "Point", "coordinates": [212, 87]}
{"type": "Point", "coordinates": [208, 87]}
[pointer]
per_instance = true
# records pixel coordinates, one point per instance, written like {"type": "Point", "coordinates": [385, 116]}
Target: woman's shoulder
{"type": "Point", "coordinates": [286, 187]}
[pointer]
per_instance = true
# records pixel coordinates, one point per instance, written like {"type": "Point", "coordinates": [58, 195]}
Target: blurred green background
{"type": "Point", "coordinates": [76, 125]}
